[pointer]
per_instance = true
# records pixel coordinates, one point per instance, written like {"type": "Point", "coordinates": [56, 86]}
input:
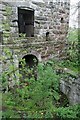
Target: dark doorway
{"type": "Point", "coordinates": [47, 36]}
{"type": "Point", "coordinates": [31, 60]}
{"type": "Point", "coordinates": [28, 64]}
{"type": "Point", "coordinates": [26, 21]}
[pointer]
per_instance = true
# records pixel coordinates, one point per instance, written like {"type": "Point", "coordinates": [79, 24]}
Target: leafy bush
{"type": "Point", "coordinates": [38, 98]}
{"type": "Point", "coordinates": [71, 112]}
{"type": "Point", "coordinates": [72, 49]}
{"type": "Point", "coordinates": [35, 98]}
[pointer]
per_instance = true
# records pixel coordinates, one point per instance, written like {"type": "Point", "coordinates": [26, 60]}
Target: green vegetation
{"type": "Point", "coordinates": [72, 51]}
{"type": "Point", "coordinates": [33, 98]}
{"type": "Point", "coordinates": [38, 98]}
{"type": "Point", "coordinates": [73, 35]}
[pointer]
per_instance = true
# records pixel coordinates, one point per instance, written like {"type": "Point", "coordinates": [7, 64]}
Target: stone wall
{"type": "Point", "coordinates": [71, 88]}
{"type": "Point", "coordinates": [52, 17]}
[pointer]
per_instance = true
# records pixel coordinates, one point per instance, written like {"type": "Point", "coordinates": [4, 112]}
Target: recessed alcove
{"type": "Point", "coordinates": [31, 62]}
{"type": "Point", "coordinates": [26, 21]}
{"type": "Point", "coordinates": [62, 20]}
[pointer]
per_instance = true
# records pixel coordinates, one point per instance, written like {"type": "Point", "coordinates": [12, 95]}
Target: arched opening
{"type": "Point", "coordinates": [28, 66]}
{"type": "Point", "coordinates": [31, 60]}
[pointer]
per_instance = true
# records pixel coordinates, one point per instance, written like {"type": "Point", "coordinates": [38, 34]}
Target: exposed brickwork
{"type": "Point", "coordinates": [52, 17]}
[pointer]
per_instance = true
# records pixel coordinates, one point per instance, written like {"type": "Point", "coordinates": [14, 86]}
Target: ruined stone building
{"type": "Point", "coordinates": [44, 23]}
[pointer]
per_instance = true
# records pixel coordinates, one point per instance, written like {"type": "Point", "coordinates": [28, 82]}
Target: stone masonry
{"type": "Point", "coordinates": [51, 21]}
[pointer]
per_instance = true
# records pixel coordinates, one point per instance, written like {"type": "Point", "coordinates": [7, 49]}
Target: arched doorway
{"type": "Point", "coordinates": [28, 66]}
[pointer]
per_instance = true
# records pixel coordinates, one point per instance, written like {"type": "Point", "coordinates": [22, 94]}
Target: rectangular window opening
{"type": "Point", "coordinates": [26, 21]}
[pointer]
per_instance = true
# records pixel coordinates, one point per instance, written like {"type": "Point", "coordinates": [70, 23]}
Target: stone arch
{"type": "Point", "coordinates": [33, 53]}
{"type": "Point", "coordinates": [31, 62]}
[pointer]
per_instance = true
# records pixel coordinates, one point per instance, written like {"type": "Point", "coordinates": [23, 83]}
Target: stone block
{"type": "Point", "coordinates": [40, 18]}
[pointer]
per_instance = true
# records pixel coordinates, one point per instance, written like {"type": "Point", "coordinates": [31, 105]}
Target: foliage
{"type": "Point", "coordinates": [71, 112]}
{"type": "Point", "coordinates": [72, 49]}
{"type": "Point", "coordinates": [73, 35]}
{"type": "Point", "coordinates": [36, 98]}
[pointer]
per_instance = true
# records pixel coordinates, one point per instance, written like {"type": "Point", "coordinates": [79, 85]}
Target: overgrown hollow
{"type": "Point", "coordinates": [31, 62]}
